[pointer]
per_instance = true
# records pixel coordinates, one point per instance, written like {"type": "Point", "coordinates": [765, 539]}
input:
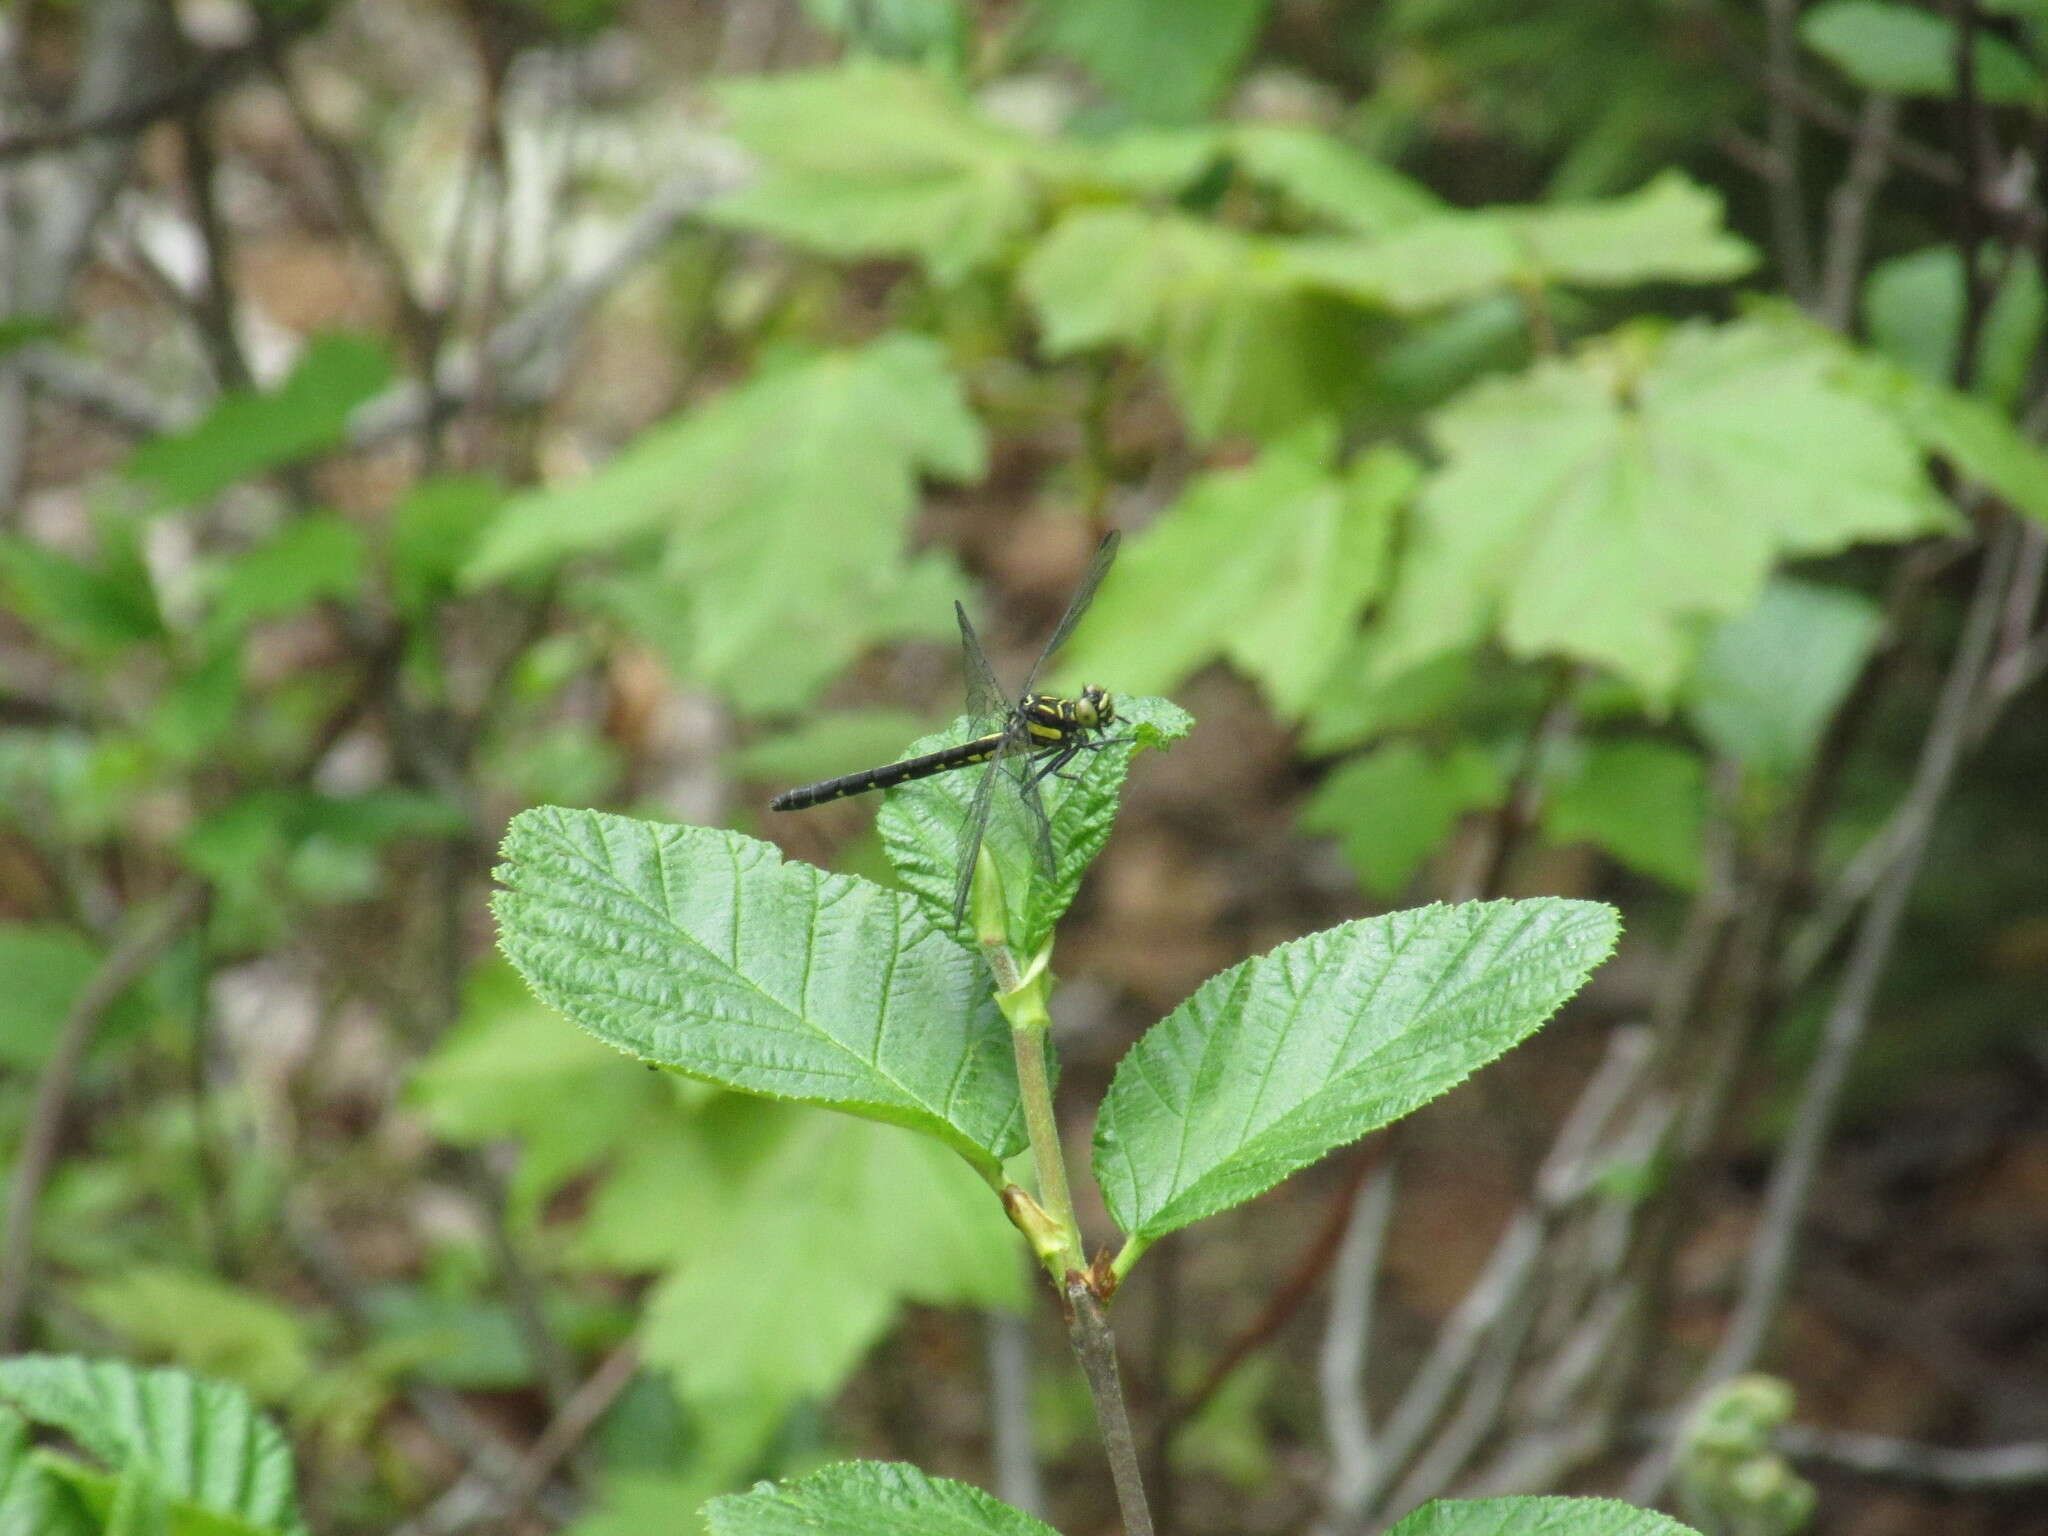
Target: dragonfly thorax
{"type": "Point", "coordinates": [1050, 718]}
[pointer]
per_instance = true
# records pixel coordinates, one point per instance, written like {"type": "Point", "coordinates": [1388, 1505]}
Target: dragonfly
{"type": "Point", "coordinates": [1022, 743]}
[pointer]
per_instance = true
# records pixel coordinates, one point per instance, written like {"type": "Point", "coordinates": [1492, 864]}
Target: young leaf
{"type": "Point", "coordinates": [1282, 604]}
{"type": "Point", "coordinates": [1280, 1059]}
{"type": "Point", "coordinates": [200, 1442]}
{"type": "Point", "coordinates": [1537, 1517]}
{"type": "Point", "coordinates": [1902, 50]}
{"type": "Point", "coordinates": [1165, 60]}
{"type": "Point", "coordinates": [702, 951]}
{"type": "Point", "coordinates": [920, 823]}
{"type": "Point", "coordinates": [1768, 681]}
{"type": "Point", "coordinates": [734, 488]}
{"type": "Point", "coordinates": [1393, 807]}
{"type": "Point", "coordinates": [248, 433]}
{"type": "Point", "coordinates": [868, 159]}
{"type": "Point", "coordinates": [868, 1496]}
{"type": "Point", "coordinates": [819, 1247]}
{"type": "Point", "coordinates": [1597, 507]}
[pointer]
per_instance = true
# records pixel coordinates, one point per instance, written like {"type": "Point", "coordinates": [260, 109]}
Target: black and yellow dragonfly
{"type": "Point", "coordinates": [1023, 742]}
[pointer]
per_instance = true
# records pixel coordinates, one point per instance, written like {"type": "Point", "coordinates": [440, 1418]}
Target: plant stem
{"type": "Point", "coordinates": [1024, 1006]}
{"type": "Point", "coordinates": [1095, 1347]}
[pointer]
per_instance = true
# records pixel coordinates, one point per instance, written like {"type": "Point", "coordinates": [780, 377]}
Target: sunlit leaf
{"type": "Point", "coordinates": [1286, 553]}
{"type": "Point", "coordinates": [702, 951]}
{"type": "Point", "coordinates": [1289, 1055]}
{"type": "Point", "coordinates": [1537, 1517]}
{"type": "Point", "coordinates": [1599, 507]}
{"type": "Point", "coordinates": [863, 1496]}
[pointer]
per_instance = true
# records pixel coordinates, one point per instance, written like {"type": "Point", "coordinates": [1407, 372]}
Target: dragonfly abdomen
{"type": "Point", "coordinates": [890, 775]}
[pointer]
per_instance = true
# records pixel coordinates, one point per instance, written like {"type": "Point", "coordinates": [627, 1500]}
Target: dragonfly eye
{"type": "Point", "coordinates": [1094, 707]}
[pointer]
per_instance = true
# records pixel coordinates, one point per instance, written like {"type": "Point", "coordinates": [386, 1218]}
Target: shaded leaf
{"type": "Point", "coordinates": [308, 559]}
{"type": "Point", "coordinates": [1974, 435]}
{"type": "Point", "coordinates": [702, 951]}
{"type": "Point", "coordinates": [1913, 305]}
{"type": "Point", "coordinates": [1284, 1057]}
{"type": "Point", "coordinates": [1902, 50]}
{"type": "Point", "coordinates": [1643, 801]}
{"type": "Point", "coordinates": [1768, 681]}
{"type": "Point", "coordinates": [207, 1326]}
{"type": "Point", "coordinates": [250, 432]}
{"type": "Point", "coordinates": [1394, 807]}
{"type": "Point", "coordinates": [820, 1246]}
{"type": "Point", "coordinates": [1162, 59]}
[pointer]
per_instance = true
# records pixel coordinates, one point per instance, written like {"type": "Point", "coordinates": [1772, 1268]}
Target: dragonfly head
{"type": "Point", "coordinates": [1094, 708]}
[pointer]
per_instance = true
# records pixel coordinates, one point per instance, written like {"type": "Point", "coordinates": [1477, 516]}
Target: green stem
{"type": "Point", "coordinates": [1024, 1006]}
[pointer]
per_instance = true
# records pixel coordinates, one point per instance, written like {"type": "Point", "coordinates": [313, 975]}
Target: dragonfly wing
{"type": "Point", "coordinates": [985, 697]}
{"type": "Point", "coordinates": [971, 831]}
{"type": "Point", "coordinates": [1077, 605]}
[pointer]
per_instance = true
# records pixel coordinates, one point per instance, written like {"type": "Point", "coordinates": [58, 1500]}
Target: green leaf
{"type": "Point", "coordinates": [1394, 807]}
{"type": "Point", "coordinates": [1903, 50]}
{"type": "Point", "coordinates": [1251, 341]}
{"type": "Point", "coordinates": [1643, 801]}
{"type": "Point", "coordinates": [1599, 507]}
{"type": "Point", "coordinates": [820, 1246]}
{"type": "Point", "coordinates": [1164, 60]}
{"type": "Point", "coordinates": [1286, 553]}
{"type": "Point", "coordinates": [1668, 231]}
{"type": "Point", "coordinates": [32, 1502]}
{"type": "Point", "coordinates": [734, 488]}
{"type": "Point", "coordinates": [1769, 680]}
{"type": "Point", "coordinates": [1358, 704]}
{"type": "Point", "coordinates": [434, 531]}
{"type": "Point", "coordinates": [309, 559]}
{"type": "Point", "coordinates": [45, 966]}
{"type": "Point", "coordinates": [1286, 1056]}
{"type": "Point", "coordinates": [896, 29]}
{"type": "Point", "coordinates": [1523, 1516]}
{"type": "Point", "coordinates": [95, 610]}
{"type": "Point", "coordinates": [207, 1326]}
{"type": "Point", "coordinates": [920, 823]}
{"type": "Point", "coordinates": [869, 159]}
{"type": "Point", "coordinates": [1913, 306]}
{"type": "Point", "coordinates": [509, 1070]}
{"type": "Point", "coordinates": [865, 1496]}
{"type": "Point", "coordinates": [1974, 435]}
{"type": "Point", "coordinates": [702, 951]}
{"type": "Point", "coordinates": [247, 432]}
{"type": "Point", "coordinates": [201, 1442]}
{"type": "Point", "coordinates": [1329, 178]}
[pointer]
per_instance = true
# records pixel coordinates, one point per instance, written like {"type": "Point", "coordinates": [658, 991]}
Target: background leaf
{"type": "Point", "coordinates": [1390, 809]}
{"type": "Point", "coordinates": [248, 433]}
{"type": "Point", "coordinates": [1643, 801]}
{"type": "Point", "coordinates": [1280, 1059]}
{"type": "Point", "coordinates": [1282, 605]}
{"type": "Point", "coordinates": [1903, 50]}
{"type": "Point", "coordinates": [702, 951]}
{"type": "Point", "coordinates": [1768, 680]}
{"type": "Point", "coordinates": [1162, 59]}
{"type": "Point", "coordinates": [1596, 507]}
